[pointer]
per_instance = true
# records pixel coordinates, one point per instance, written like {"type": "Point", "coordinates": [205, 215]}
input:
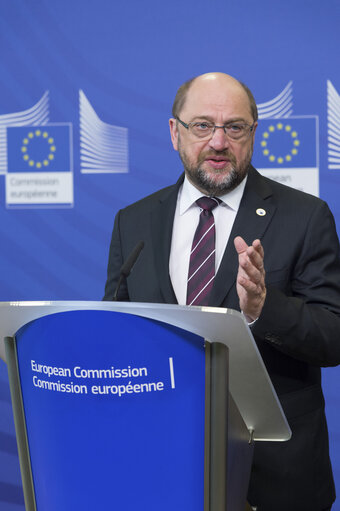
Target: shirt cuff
{"type": "Point", "coordinates": [249, 323]}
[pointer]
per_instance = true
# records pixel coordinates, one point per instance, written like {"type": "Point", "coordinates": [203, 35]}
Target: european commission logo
{"type": "Point", "coordinates": [286, 143]}
{"type": "Point", "coordinates": [286, 150]}
{"type": "Point", "coordinates": [39, 166]}
{"type": "Point", "coordinates": [38, 148]}
{"type": "Point", "coordinates": [36, 156]}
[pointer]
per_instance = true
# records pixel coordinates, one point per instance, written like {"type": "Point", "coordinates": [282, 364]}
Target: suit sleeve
{"type": "Point", "coordinates": [306, 324]}
{"type": "Point", "coordinates": [114, 265]}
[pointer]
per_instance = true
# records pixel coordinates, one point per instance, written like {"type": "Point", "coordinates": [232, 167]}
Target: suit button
{"type": "Point", "coordinates": [272, 338]}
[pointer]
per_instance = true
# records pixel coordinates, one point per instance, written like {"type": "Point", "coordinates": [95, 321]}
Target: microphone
{"type": "Point", "coordinates": [127, 267]}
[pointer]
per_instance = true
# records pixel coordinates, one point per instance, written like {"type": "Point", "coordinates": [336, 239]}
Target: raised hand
{"type": "Point", "coordinates": [250, 283]}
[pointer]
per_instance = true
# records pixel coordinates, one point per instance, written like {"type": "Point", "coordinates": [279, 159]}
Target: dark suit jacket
{"type": "Point", "coordinates": [297, 332]}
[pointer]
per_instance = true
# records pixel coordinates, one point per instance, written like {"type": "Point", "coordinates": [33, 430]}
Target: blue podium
{"type": "Point", "coordinates": [136, 406]}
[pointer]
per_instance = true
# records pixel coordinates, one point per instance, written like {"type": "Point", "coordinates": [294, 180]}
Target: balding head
{"type": "Point", "coordinates": [208, 81]}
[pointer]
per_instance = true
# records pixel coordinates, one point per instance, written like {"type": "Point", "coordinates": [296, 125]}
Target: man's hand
{"type": "Point", "coordinates": [250, 283]}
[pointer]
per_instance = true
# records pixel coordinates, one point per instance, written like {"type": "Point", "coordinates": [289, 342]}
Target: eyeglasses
{"type": "Point", "coordinates": [204, 129]}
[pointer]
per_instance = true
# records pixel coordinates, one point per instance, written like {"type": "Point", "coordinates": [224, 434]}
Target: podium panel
{"type": "Point", "coordinates": [136, 406]}
{"type": "Point", "coordinates": [114, 406]}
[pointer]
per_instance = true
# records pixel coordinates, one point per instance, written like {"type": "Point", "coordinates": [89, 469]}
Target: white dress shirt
{"type": "Point", "coordinates": [185, 223]}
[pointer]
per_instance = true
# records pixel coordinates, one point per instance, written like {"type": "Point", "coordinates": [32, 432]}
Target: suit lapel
{"type": "Point", "coordinates": [162, 218]}
{"type": "Point", "coordinates": [255, 213]}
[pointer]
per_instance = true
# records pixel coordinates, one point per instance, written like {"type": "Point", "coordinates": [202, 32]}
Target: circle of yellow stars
{"type": "Point", "coordinates": [25, 148]}
{"type": "Point", "coordinates": [265, 146]}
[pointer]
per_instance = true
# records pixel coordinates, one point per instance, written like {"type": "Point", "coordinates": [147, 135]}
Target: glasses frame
{"type": "Point", "coordinates": [215, 126]}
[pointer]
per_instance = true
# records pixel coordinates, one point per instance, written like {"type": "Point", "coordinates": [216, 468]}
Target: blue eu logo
{"type": "Point", "coordinates": [286, 143]}
{"type": "Point", "coordinates": [38, 148]}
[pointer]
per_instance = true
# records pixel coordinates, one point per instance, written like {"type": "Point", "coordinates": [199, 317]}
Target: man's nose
{"type": "Point", "coordinates": [219, 140]}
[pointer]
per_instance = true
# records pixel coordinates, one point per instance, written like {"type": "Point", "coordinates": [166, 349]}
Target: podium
{"type": "Point", "coordinates": [136, 406]}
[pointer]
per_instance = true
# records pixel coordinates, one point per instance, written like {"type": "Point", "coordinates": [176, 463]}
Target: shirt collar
{"type": "Point", "coordinates": [189, 194]}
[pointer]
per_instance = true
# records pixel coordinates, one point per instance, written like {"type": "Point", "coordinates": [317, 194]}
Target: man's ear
{"type": "Point", "coordinates": [174, 132]}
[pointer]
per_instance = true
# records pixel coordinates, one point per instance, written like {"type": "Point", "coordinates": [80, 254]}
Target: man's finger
{"type": "Point", "coordinates": [240, 245]}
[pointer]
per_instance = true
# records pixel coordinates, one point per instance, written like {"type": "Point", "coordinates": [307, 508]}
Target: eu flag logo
{"type": "Point", "coordinates": [39, 148]}
{"type": "Point", "coordinates": [289, 142]}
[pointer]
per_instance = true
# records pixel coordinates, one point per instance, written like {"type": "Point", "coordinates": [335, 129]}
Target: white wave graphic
{"type": "Point", "coordinates": [103, 147]}
{"type": "Point", "coordinates": [280, 106]}
{"type": "Point", "coordinates": [333, 126]}
{"type": "Point", "coordinates": [37, 115]}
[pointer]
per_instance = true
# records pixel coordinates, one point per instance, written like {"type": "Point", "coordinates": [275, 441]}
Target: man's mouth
{"type": "Point", "coordinates": [217, 162]}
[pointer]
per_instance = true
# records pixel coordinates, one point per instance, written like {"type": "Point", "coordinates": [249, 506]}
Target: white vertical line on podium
{"type": "Point", "coordinates": [172, 374]}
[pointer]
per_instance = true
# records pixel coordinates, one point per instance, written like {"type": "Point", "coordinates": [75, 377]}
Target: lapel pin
{"type": "Point", "coordinates": [261, 212]}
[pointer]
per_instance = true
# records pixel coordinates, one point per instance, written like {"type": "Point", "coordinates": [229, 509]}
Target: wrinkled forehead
{"type": "Point", "coordinates": [217, 98]}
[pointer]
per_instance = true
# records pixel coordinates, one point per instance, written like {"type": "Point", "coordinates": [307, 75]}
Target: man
{"type": "Point", "coordinates": [290, 297]}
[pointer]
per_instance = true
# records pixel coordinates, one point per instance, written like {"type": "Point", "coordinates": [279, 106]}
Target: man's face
{"type": "Point", "coordinates": [217, 164]}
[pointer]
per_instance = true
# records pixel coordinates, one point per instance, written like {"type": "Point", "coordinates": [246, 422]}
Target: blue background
{"type": "Point", "coordinates": [129, 59]}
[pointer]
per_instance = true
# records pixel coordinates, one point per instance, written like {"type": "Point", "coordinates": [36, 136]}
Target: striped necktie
{"type": "Point", "coordinates": [202, 257]}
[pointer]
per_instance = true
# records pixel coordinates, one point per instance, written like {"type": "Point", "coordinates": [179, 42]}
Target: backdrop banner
{"type": "Point", "coordinates": [85, 96]}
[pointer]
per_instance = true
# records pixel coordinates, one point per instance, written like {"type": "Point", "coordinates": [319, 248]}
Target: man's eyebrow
{"type": "Point", "coordinates": [202, 118]}
{"type": "Point", "coordinates": [198, 118]}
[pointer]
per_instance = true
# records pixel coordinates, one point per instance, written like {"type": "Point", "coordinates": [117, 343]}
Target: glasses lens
{"type": "Point", "coordinates": [236, 131]}
{"type": "Point", "coordinates": [201, 129]}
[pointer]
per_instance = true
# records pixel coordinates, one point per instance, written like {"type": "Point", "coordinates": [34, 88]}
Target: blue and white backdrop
{"type": "Point", "coordinates": [86, 88]}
